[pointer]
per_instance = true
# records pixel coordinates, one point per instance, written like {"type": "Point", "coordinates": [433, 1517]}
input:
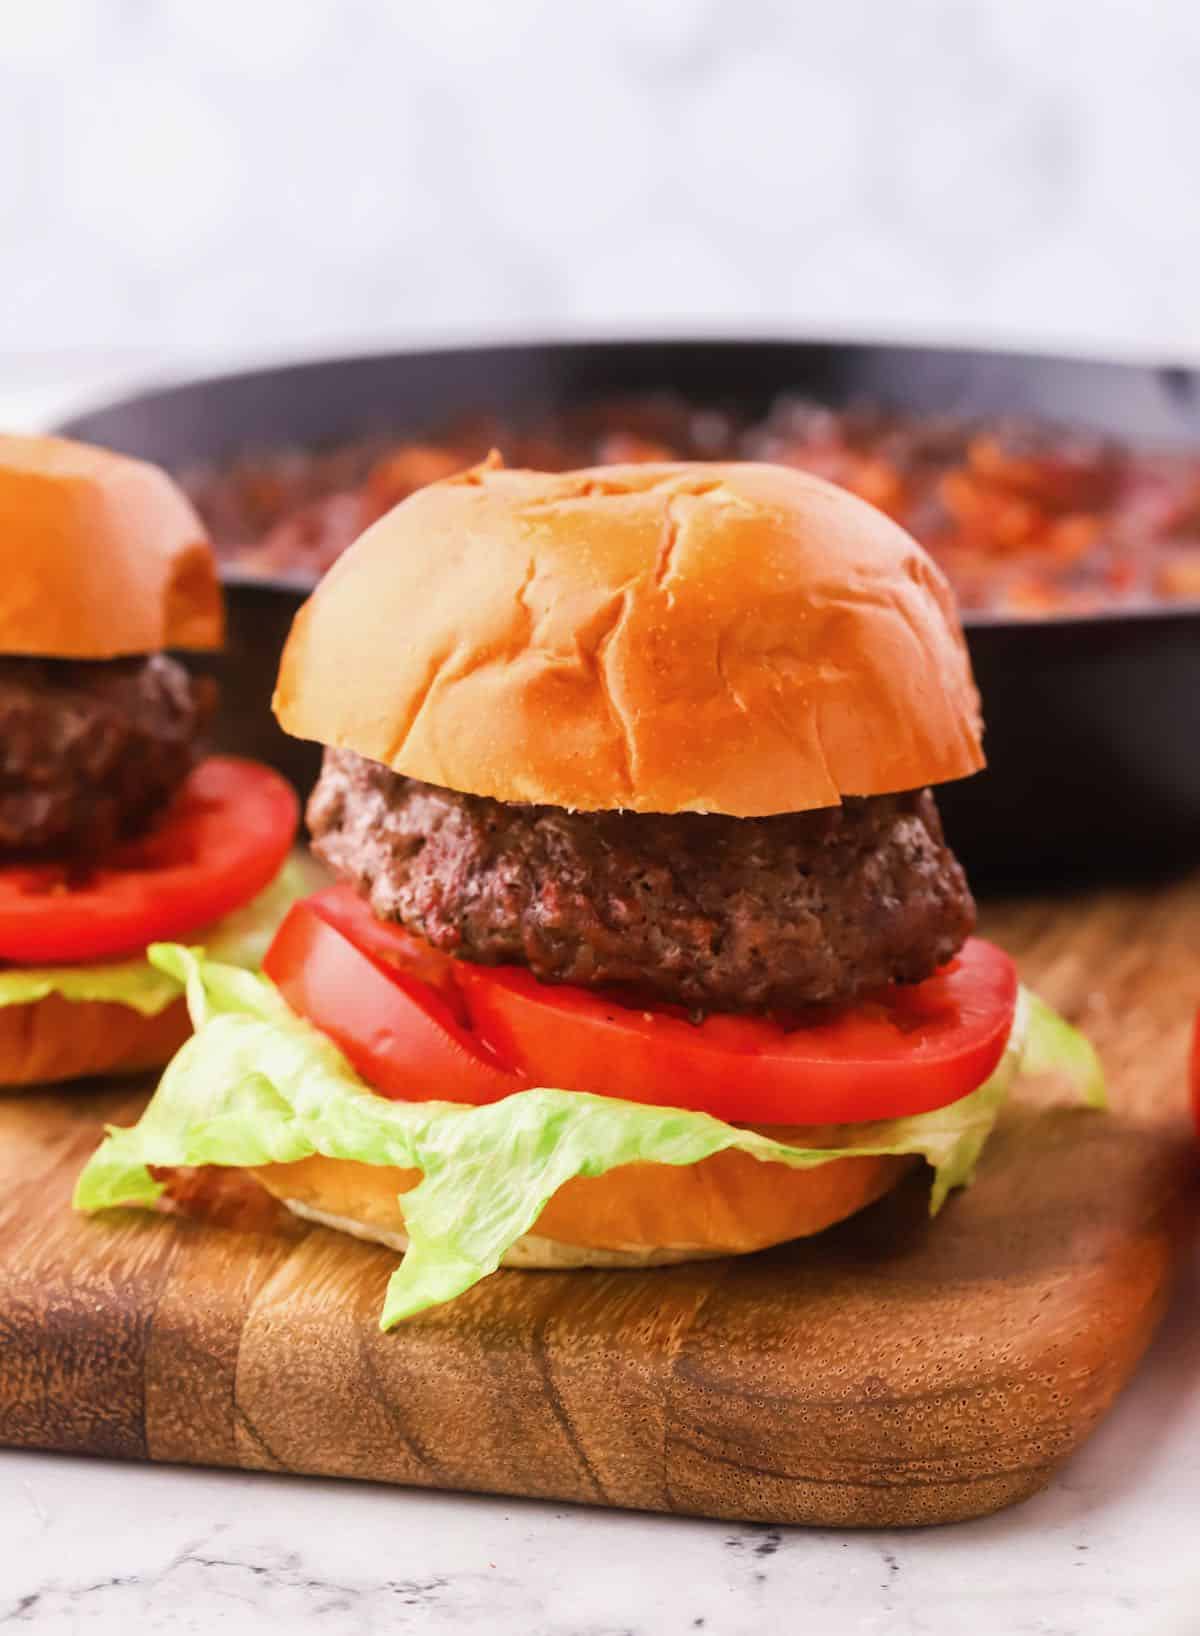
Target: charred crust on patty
{"type": "Point", "coordinates": [706, 911]}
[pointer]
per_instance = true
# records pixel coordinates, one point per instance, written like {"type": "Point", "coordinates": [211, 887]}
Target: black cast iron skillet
{"type": "Point", "coordinates": [1093, 722]}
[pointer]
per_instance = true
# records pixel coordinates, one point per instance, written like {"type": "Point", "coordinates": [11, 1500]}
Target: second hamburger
{"type": "Point", "coordinates": [116, 826]}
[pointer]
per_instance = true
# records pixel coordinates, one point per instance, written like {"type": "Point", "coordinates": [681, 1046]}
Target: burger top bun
{"type": "Point", "coordinates": [100, 555]}
{"type": "Point", "coordinates": [743, 639]}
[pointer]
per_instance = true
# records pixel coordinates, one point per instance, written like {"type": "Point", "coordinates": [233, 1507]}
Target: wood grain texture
{"type": "Point", "coordinates": [893, 1371]}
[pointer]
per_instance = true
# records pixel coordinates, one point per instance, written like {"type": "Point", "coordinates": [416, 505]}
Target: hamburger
{"type": "Point", "coordinates": [116, 829]}
{"type": "Point", "coordinates": [646, 944]}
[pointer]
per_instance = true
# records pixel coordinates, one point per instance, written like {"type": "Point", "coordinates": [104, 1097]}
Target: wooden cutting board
{"type": "Point", "coordinates": [894, 1371]}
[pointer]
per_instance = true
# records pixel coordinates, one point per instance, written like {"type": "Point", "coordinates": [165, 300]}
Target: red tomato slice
{"type": "Point", "coordinates": [906, 1050]}
{"type": "Point", "coordinates": [390, 946]}
{"type": "Point", "coordinates": [222, 840]}
{"type": "Point", "coordinates": [399, 1031]}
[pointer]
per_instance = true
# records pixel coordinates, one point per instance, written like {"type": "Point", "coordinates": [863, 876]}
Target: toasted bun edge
{"type": "Point", "coordinates": [636, 1215]}
{"type": "Point", "coordinates": [56, 1039]}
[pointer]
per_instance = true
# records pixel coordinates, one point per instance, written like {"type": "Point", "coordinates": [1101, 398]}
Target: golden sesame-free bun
{"type": "Point", "coordinates": [100, 555]}
{"type": "Point", "coordinates": [637, 1215]}
{"type": "Point", "coordinates": [56, 1039]}
{"type": "Point", "coordinates": [743, 639]}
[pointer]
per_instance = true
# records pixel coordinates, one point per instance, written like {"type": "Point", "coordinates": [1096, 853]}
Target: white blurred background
{"type": "Point", "coordinates": [190, 181]}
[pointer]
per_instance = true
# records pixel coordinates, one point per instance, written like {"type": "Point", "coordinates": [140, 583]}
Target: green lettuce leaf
{"type": "Point", "coordinates": [240, 939]}
{"type": "Point", "coordinates": [258, 1085]}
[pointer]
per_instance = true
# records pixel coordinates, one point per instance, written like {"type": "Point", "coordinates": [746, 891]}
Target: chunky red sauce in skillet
{"type": "Point", "coordinates": [1026, 518]}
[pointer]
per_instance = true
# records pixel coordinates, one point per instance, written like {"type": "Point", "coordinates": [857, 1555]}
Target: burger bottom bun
{"type": "Point", "coordinates": [639, 1215]}
{"type": "Point", "coordinates": [56, 1039]}
{"type": "Point", "coordinates": [531, 1251]}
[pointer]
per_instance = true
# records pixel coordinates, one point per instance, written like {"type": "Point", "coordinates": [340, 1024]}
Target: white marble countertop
{"type": "Point", "coordinates": [1108, 1550]}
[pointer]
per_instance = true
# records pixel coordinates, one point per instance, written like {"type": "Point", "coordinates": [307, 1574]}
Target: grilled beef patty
{"type": "Point", "coordinates": [711, 912]}
{"type": "Point", "coordinates": [92, 750]}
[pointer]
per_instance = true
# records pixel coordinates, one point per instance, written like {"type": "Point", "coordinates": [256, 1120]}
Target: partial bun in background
{"type": "Point", "coordinates": [743, 639]}
{"type": "Point", "coordinates": [56, 1039]}
{"type": "Point", "coordinates": [100, 556]}
{"type": "Point", "coordinates": [638, 1215]}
